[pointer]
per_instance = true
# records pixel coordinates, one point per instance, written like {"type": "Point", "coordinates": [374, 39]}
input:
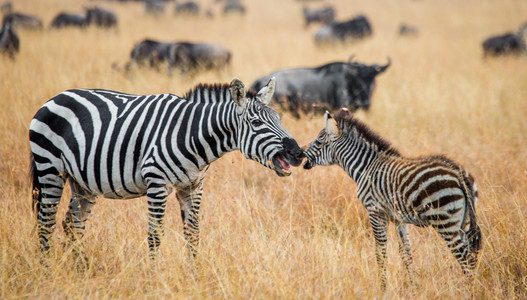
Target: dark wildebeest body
{"type": "Point", "coordinates": [233, 6]}
{"type": "Point", "coordinates": [19, 20]}
{"type": "Point", "coordinates": [187, 57]}
{"type": "Point", "coordinates": [330, 86]}
{"type": "Point", "coordinates": [67, 20]}
{"type": "Point", "coordinates": [408, 30]}
{"type": "Point", "coordinates": [9, 42]}
{"type": "Point", "coordinates": [324, 15]}
{"type": "Point", "coordinates": [191, 57]}
{"type": "Point", "coordinates": [187, 8]}
{"type": "Point", "coordinates": [356, 28]}
{"type": "Point", "coordinates": [151, 52]}
{"type": "Point", "coordinates": [505, 44]}
{"type": "Point", "coordinates": [154, 7]}
{"type": "Point", "coordinates": [101, 17]}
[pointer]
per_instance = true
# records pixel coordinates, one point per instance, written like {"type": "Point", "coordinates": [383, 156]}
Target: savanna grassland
{"type": "Point", "coordinates": [305, 236]}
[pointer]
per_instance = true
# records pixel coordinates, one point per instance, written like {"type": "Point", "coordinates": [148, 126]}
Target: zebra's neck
{"type": "Point", "coordinates": [356, 153]}
{"type": "Point", "coordinates": [211, 133]}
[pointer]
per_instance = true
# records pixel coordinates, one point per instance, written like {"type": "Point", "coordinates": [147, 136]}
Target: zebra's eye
{"type": "Point", "coordinates": [257, 122]}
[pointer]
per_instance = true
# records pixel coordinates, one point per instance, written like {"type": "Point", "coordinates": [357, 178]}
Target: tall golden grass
{"type": "Point", "coordinates": [305, 236]}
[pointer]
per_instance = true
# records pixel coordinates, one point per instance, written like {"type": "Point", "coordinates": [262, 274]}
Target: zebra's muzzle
{"type": "Point", "coordinates": [307, 165]}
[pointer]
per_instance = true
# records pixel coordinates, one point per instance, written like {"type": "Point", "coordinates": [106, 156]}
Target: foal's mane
{"type": "Point", "coordinates": [347, 123]}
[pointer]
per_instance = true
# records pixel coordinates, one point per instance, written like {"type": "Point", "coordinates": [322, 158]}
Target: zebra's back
{"type": "Point", "coordinates": [91, 133]}
{"type": "Point", "coordinates": [420, 191]}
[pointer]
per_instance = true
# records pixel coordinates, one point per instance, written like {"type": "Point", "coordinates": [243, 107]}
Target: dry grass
{"type": "Point", "coordinates": [305, 236]}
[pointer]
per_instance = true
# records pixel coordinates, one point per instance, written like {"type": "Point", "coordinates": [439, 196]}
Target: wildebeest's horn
{"type": "Point", "coordinates": [350, 60]}
{"type": "Point", "coordinates": [381, 69]}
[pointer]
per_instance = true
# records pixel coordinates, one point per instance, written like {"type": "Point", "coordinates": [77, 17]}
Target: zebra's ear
{"type": "Point", "coordinates": [237, 89]}
{"type": "Point", "coordinates": [332, 128]}
{"type": "Point", "coordinates": [265, 95]}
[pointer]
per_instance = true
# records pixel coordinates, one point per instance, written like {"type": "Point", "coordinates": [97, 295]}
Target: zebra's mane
{"type": "Point", "coordinates": [347, 123]}
{"type": "Point", "coordinates": [215, 92]}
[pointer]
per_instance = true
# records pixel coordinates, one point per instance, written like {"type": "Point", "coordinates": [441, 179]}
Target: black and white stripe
{"type": "Point", "coordinates": [118, 145]}
{"type": "Point", "coordinates": [428, 191]}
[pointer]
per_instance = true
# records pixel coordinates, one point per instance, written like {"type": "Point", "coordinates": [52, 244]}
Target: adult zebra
{"type": "Point", "coordinates": [427, 191]}
{"type": "Point", "coordinates": [124, 146]}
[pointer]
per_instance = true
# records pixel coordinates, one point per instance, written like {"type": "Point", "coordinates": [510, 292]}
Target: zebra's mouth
{"type": "Point", "coordinates": [281, 166]}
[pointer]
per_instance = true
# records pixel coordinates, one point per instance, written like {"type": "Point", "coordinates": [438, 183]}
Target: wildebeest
{"type": "Point", "coordinates": [505, 44]}
{"type": "Point", "coordinates": [356, 28]}
{"type": "Point", "coordinates": [323, 15]}
{"type": "Point", "coordinates": [19, 20]}
{"type": "Point", "coordinates": [331, 86]}
{"type": "Point", "coordinates": [100, 17]}
{"type": "Point", "coordinates": [9, 42]}
{"type": "Point", "coordinates": [233, 6]}
{"type": "Point", "coordinates": [190, 57]}
{"type": "Point", "coordinates": [151, 52]}
{"type": "Point", "coordinates": [186, 8]}
{"type": "Point", "coordinates": [154, 7]}
{"type": "Point", "coordinates": [408, 30]}
{"type": "Point", "coordinates": [185, 56]}
{"type": "Point", "coordinates": [67, 20]}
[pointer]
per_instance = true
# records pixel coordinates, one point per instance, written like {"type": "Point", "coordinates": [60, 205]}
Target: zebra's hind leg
{"type": "Point", "coordinates": [404, 247]}
{"type": "Point", "coordinates": [47, 190]}
{"type": "Point", "coordinates": [379, 224]}
{"type": "Point", "coordinates": [458, 243]}
{"type": "Point", "coordinates": [74, 224]}
{"type": "Point", "coordinates": [189, 202]}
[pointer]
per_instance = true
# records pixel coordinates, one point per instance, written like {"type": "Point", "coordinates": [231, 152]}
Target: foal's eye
{"type": "Point", "coordinates": [257, 122]}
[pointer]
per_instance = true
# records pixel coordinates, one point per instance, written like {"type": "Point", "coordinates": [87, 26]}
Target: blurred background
{"type": "Point", "coordinates": [307, 235]}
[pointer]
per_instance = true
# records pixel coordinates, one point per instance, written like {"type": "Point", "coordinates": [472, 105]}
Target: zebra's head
{"type": "Point", "coordinates": [321, 151]}
{"type": "Point", "coordinates": [261, 136]}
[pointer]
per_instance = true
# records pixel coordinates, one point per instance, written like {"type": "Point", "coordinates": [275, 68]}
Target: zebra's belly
{"type": "Point", "coordinates": [116, 188]}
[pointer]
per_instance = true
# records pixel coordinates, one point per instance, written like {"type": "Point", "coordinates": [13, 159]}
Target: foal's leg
{"type": "Point", "coordinates": [404, 246]}
{"type": "Point", "coordinates": [379, 224]}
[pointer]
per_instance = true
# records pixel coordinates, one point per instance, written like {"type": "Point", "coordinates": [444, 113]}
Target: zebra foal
{"type": "Point", "coordinates": [427, 191]}
{"type": "Point", "coordinates": [119, 146]}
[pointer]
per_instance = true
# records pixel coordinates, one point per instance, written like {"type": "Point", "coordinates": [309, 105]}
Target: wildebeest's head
{"type": "Point", "coordinates": [261, 136]}
{"type": "Point", "coordinates": [360, 82]}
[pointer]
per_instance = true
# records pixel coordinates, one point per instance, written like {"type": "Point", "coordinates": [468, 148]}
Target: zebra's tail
{"type": "Point", "coordinates": [35, 190]}
{"type": "Point", "coordinates": [471, 197]}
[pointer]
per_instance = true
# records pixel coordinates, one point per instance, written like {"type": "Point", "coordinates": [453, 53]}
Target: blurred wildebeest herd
{"type": "Point", "coordinates": [329, 86]}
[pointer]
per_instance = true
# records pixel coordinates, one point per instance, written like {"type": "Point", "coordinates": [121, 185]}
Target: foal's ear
{"type": "Point", "coordinates": [332, 128]}
{"type": "Point", "coordinates": [237, 89]}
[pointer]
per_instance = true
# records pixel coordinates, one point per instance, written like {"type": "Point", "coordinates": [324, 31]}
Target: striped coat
{"type": "Point", "coordinates": [119, 146]}
{"type": "Point", "coordinates": [427, 191]}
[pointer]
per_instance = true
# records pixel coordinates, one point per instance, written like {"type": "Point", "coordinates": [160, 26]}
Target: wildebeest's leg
{"type": "Point", "coordinates": [404, 246]}
{"type": "Point", "coordinates": [379, 225]}
{"type": "Point", "coordinates": [189, 202]}
{"type": "Point", "coordinates": [74, 224]}
{"type": "Point", "coordinates": [156, 193]}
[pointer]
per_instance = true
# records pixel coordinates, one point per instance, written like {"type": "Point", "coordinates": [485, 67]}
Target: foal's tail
{"type": "Point", "coordinates": [471, 197]}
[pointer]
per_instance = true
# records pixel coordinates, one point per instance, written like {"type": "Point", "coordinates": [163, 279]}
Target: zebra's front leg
{"type": "Point", "coordinates": [156, 196]}
{"type": "Point", "coordinates": [404, 247]}
{"type": "Point", "coordinates": [80, 207]}
{"type": "Point", "coordinates": [189, 202]}
{"type": "Point", "coordinates": [379, 224]}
